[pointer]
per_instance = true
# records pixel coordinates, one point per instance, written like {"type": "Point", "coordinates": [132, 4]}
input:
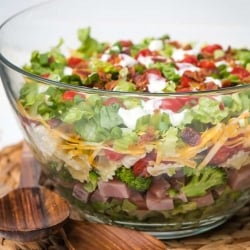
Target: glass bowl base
{"type": "Point", "coordinates": [157, 230]}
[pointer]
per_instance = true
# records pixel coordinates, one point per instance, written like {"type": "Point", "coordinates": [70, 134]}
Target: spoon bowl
{"type": "Point", "coordinates": [31, 213]}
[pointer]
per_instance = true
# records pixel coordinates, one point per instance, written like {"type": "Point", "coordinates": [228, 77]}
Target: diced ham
{"type": "Point", "coordinates": [79, 193]}
{"type": "Point", "coordinates": [96, 196]}
{"type": "Point", "coordinates": [240, 179]}
{"type": "Point", "coordinates": [177, 180]}
{"type": "Point", "coordinates": [137, 199]}
{"type": "Point", "coordinates": [159, 187]}
{"type": "Point", "coordinates": [114, 188]}
{"type": "Point", "coordinates": [204, 200]}
{"type": "Point", "coordinates": [158, 204]}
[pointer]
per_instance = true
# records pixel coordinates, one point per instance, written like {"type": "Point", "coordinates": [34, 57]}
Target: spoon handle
{"type": "Point", "coordinates": [30, 169]}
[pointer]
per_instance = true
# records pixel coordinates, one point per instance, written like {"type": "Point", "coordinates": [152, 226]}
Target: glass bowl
{"type": "Point", "coordinates": [171, 164]}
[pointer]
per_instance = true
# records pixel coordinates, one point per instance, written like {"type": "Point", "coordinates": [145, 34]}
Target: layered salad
{"type": "Point", "coordinates": [156, 131]}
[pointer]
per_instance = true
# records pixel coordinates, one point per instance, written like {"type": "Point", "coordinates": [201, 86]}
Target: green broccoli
{"type": "Point", "coordinates": [201, 180]}
{"type": "Point", "coordinates": [93, 181]}
{"type": "Point", "coordinates": [138, 183]}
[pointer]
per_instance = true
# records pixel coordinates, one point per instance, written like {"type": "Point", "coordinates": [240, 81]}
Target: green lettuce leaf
{"type": "Point", "coordinates": [208, 111]}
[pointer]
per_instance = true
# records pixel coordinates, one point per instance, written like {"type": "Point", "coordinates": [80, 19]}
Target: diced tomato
{"type": "Point", "coordinates": [125, 43]}
{"type": "Point", "coordinates": [156, 72]}
{"type": "Point", "coordinates": [73, 61]}
{"type": "Point", "coordinates": [209, 49]}
{"type": "Point", "coordinates": [45, 75]}
{"type": "Point", "coordinates": [69, 95]}
{"type": "Point", "coordinates": [172, 104]}
{"type": "Point", "coordinates": [113, 156]}
{"type": "Point", "coordinates": [144, 53]}
{"type": "Point", "coordinates": [111, 101]}
{"type": "Point", "coordinates": [185, 81]}
{"type": "Point", "coordinates": [176, 104]}
{"type": "Point", "coordinates": [240, 72]}
{"type": "Point", "coordinates": [190, 59]}
{"type": "Point", "coordinates": [140, 167]}
{"type": "Point", "coordinates": [206, 64]}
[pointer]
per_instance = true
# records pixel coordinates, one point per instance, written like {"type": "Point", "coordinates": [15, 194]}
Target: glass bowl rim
{"type": "Point", "coordinates": [88, 90]}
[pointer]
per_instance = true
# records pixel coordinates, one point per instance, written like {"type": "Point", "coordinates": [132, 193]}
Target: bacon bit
{"type": "Point", "coordinates": [51, 59]}
{"type": "Point", "coordinates": [110, 85]}
{"type": "Point", "coordinates": [190, 136]}
{"type": "Point", "coordinates": [176, 44]}
{"type": "Point", "coordinates": [196, 76]}
{"type": "Point", "coordinates": [82, 69]}
{"type": "Point", "coordinates": [45, 75]}
{"type": "Point", "coordinates": [126, 43]}
{"type": "Point", "coordinates": [211, 86]}
{"type": "Point", "coordinates": [148, 136]}
{"type": "Point", "coordinates": [114, 59]}
{"type": "Point", "coordinates": [141, 81]}
{"type": "Point", "coordinates": [224, 153]}
{"type": "Point", "coordinates": [187, 47]}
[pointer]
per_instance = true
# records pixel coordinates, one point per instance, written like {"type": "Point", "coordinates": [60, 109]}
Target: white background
{"type": "Point", "coordinates": [233, 13]}
{"type": "Point", "coordinates": [9, 131]}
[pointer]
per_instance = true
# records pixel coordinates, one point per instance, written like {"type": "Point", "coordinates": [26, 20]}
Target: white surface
{"type": "Point", "coordinates": [218, 12]}
{"type": "Point", "coordinates": [9, 130]}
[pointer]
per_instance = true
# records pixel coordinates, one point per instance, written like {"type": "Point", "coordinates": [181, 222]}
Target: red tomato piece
{"type": "Point", "coordinates": [185, 81]}
{"type": "Point", "coordinates": [209, 49]}
{"type": "Point", "coordinates": [69, 95]}
{"type": "Point", "coordinates": [144, 53]}
{"type": "Point", "coordinates": [113, 156]}
{"type": "Point", "coordinates": [190, 59]}
{"type": "Point", "coordinates": [173, 104]}
{"type": "Point", "coordinates": [206, 64]}
{"type": "Point", "coordinates": [176, 104]}
{"type": "Point", "coordinates": [73, 61]}
{"type": "Point", "coordinates": [140, 167]}
{"type": "Point", "coordinates": [240, 72]}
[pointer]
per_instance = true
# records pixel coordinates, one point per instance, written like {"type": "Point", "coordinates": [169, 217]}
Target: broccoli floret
{"type": "Point", "coordinates": [138, 183]}
{"type": "Point", "coordinates": [202, 180]}
{"type": "Point", "coordinates": [93, 181]}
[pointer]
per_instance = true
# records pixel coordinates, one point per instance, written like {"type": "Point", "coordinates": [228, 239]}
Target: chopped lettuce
{"type": "Point", "coordinates": [89, 46]}
{"type": "Point", "coordinates": [208, 110]}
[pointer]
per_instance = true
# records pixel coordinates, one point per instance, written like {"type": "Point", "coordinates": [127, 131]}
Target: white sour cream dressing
{"type": "Point", "coordinates": [175, 118]}
{"type": "Point", "coordinates": [178, 54]}
{"type": "Point", "coordinates": [156, 84]}
{"type": "Point", "coordinates": [216, 81]}
{"type": "Point", "coordinates": [145, 60]}
{"type": "Point", "coordinates": [127, 61]}
{"type": "Point", "coordinates": [155, 45]}
{"type": "Point", "coordinates": [186, 66]}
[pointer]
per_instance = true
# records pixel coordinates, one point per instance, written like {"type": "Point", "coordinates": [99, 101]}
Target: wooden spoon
{"type": "Point", "coordinates": [31, 213]}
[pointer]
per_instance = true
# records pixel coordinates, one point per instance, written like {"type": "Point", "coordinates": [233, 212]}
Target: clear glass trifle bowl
{"type": "Point", "coordinates": [134, 128]}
